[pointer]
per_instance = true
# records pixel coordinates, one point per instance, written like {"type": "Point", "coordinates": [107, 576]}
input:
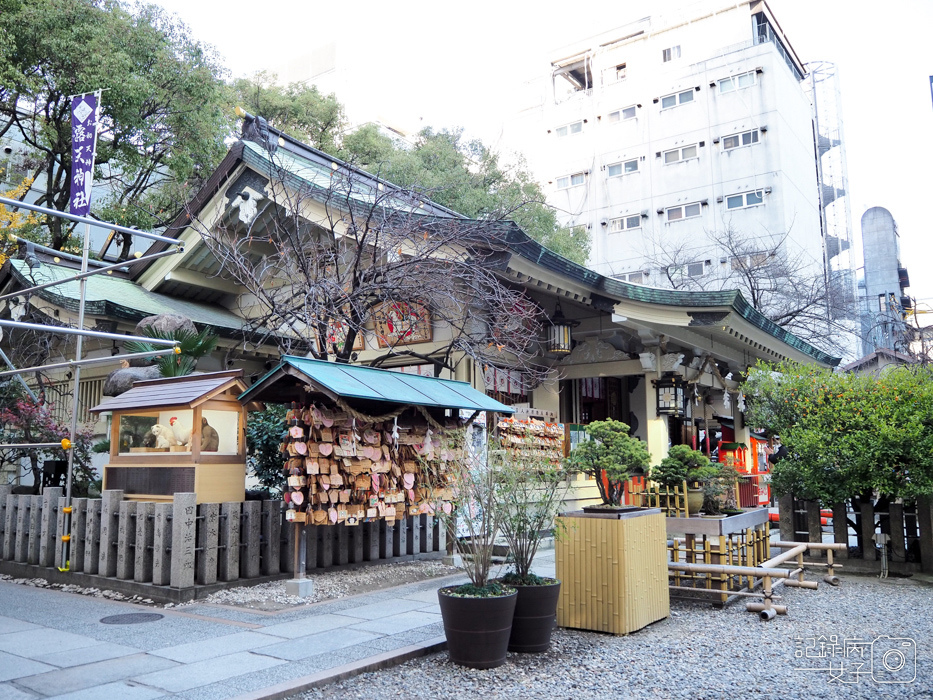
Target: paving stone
{"type": "Point", "coordinates": [120, 690]}
{"type": "Point", "coordinates": [188, 676]}
{"type": "Point", "coordinates": [308, 625]}
{"type": "Point", "coordinates": [12, 666]}
{"type": "Point", "coordinates": [69, 680]}
{"type": "Point", "coordinates": [306, 647]}
{"type": "Point", "coordinates": [398, 623]}
{"type": "Point", "coordinates": [9, 624]}
{"type": "Point", "coordinates": [377, 611]}
{"type": "Point", "coordinates": [87, 655]}
{"type": "Point", "coordinates": [219, 646]}
{"type": "Point", "coordinates": [10, 692]}
{"type": "Point", "coordinates": [38, 642]}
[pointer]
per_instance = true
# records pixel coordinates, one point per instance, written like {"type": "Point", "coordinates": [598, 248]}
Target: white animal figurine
{"type": "Point", "coordinates": [182, 433]}
{"type": "Point", "coordinates": [163, 435]}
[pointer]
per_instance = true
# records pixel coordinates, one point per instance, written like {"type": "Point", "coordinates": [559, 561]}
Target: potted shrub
{"type": "Point", "coordinates": [719, 492]}
{"type": "Point", "coordinates": [610, 456]}
{"type": "Point", "coordinates": [477, 615]}
{"type": "Point", "coordinates": [530, 492]}
{"type": "Point", "coordinates": [684, 464]}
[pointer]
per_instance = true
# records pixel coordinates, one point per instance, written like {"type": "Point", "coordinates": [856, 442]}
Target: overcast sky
{"type": "Point", "coordinates": [459, 64]}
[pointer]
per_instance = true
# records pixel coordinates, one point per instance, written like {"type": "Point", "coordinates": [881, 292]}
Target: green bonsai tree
{"type": "Point", "coordinates": [611, 452]}
{"type": "Point", "coordinates": [683, 464]}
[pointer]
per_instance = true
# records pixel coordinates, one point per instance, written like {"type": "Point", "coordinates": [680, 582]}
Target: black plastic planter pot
{"type": "Point", "coordinates": [535, 618]}
{"type": "Point", "coordinates": [477, 629]}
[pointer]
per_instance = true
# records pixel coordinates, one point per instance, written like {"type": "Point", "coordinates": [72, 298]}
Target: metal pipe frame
{"type": "Point", "coordinates": [31, 446]}
{"type": "Point", "coordinates": [91, 273]}
{"type": "Point", "coordinates": [88, 361]}
{"type": "Point", "coordinates": [87, 220]}
{"type": "Point", "coordinates": [65, 330]}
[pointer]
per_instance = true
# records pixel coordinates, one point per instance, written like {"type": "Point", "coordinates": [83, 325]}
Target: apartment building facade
{"type": "Point", "coordinates": [668, 134]}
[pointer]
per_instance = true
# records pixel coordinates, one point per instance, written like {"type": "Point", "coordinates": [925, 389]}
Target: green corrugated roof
{"type": "Point", "coordinates": [370, 384]}
{"type": "Point", "coordinates": [115, 297]}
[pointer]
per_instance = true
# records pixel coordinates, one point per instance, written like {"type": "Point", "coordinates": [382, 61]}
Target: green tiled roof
{"type": "Point", "coordinates": [371, 384]}
{"type": "Point", "coordinates": [119, 298]}
{"type": "Point", "coordinates": [530, 249]}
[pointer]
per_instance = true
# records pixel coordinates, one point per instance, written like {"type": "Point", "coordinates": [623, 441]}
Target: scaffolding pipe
{"type": "Point", "coordinates": [88, 361]}
{"type": "Point", "coordinates": [32, 446]}
{"type": "Point", "coordinates": [87, 220]}
{"type": "Point", "coordinates": [97, 271]}
{"type": "Point", "coordinates": [65, 330]}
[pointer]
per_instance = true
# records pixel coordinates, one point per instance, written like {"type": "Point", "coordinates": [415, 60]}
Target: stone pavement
{"type": "Point", "coordinates": [54, 644]}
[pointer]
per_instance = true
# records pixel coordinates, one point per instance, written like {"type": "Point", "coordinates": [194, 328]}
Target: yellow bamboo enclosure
{"type": "Point", "coordinates": [613, 570]}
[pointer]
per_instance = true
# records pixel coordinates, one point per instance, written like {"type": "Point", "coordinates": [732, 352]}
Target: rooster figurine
{"type": "Point", "coordinates": [182, 433]}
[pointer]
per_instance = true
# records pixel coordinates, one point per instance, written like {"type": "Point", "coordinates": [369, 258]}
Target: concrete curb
{"type": "Point", "coordinates": [334, 675]}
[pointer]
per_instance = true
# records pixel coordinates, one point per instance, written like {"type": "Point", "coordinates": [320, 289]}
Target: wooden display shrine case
{"type": "Point", "coordinates": [180, 434]}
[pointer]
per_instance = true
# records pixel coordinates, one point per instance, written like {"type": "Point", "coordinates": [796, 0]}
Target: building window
{"type": "Point", "coordinates": [570, 129]}
{"type": "Point", "coordinates": [746, 199]}
{"type": "Point", "coordinates": [750, 261]}
{"type": "Point", "coordinates": [694, 269]}
{"type": "Point", "coordinates": [625, 223]}
{"type": "Point", "coordinates": [628, 166]}
{"type": "Point", "coordinates": [685, 211]}
{"type": "Point", "coordinates": [679, 154]}
{"type": "Point", "coordinates": [678, 98]}
{"type": "Point", "coordinates": [616, 74]}
{"type": "Point", "coordinates": [620, 115]}
{"type": "Point", "coordinates": [570, 181]}
{"type": "Point", "coordinates": [671, 53]}
{"type": "Point", "coordinates": [737, 82]}
{"type": "Point", "coordinates": [746, 138]}
{"type": "Point", "coordinates": [640, 277]}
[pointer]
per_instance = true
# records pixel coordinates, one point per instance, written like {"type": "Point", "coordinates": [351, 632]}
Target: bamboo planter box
{"type": "Point", "coordinates": [613, 568]}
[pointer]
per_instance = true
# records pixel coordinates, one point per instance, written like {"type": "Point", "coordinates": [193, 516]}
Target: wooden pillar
{"type": "Point", "coordinates": [868, 529]}
{"type": "Point", "coordinates": [925, 523]}
{"type": "Point", "coordinates": [898, 543]}
{"type": "Point", "coordinates": [841, 529]}
{"type": "Point", "coordinates": [325, 551]}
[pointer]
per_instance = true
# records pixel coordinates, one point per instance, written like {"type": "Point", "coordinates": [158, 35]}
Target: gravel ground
{"type": "Point", "coordinates": [271, 596]}
{"type": "Point", "coordinates": [700, 652]}
{"type": "Point", "coordinates": [329, 585]}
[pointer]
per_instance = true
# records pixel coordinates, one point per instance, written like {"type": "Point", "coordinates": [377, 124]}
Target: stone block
{"type": "Point", "coordinates": [271, 537]}
{"type": "Point", "coordinates": [92, 540]}
{"type": "Point", "coordinates": [145, 537]}
{"type": "Point", "coordinates": [208, 538]}
{"type": "Point", "coordinates": [78, 534]}
{"type": "Point", "coordinates": [251, 533]}
{"type": "Point", "coordinates": [162, 544]}
{"type": "Point", "coordinates": [184, 528]}
{"type": "Point", "coordinates": [126, 539]}
{"type": "Point", "coordinates": [50, 528]}
{"type": "Point", "coordinates": [35, 529]}
{"type": "Point", "coordinates": [299, 587]}
{"type": "Point", "coordinates": [109, 531]}
{"type": "Point", "coordinates": [11, 503]}
{"type": "Point", "coordinates": [228, 568]}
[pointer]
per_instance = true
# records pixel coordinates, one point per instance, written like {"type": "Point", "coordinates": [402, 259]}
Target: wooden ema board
{"type": "Point", "coordinates": [341, 470]}
{"type": "Point", "coordinates": [532, 440]}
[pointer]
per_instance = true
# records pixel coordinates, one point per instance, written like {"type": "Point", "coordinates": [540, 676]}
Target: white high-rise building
{"type": "Point", "coordinates": [667, 135]}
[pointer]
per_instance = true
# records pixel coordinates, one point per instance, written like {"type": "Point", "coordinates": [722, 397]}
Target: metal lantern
{"type": "Point", "coordinates": [559, 337]}
{"type": "Point", "coordinates": [670, 390]}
